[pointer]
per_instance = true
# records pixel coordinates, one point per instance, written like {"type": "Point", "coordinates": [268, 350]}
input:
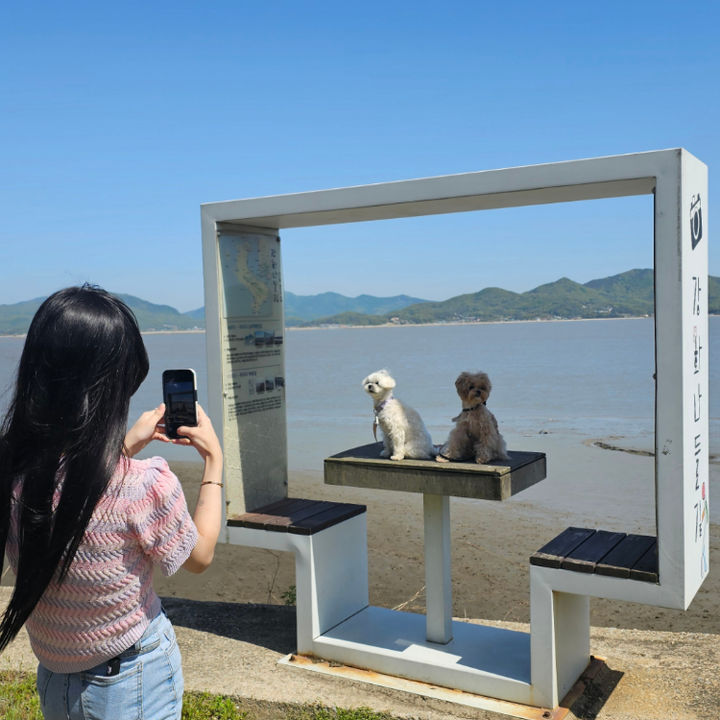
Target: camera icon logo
{"type": "Point", "coordinates": [696, 228]}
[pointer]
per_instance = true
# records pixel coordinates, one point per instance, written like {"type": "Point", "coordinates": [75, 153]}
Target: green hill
{"type": "Point", "coordinates": [714, 295]}
{"type": "Point", "coordinates": [159, 317]}
{"type": "Point", "coordinates": [632, 291]}
{"type": "Point", "coordinates": [618, 296]}
{"type": "Point", "coordinates": [300, 308]}
{"type": "Point", "coordinates": [15, 319]}
{"type": "Point", "coordinates": [629, 294]}
{"type": "Point", "coordinates": [488, 304]}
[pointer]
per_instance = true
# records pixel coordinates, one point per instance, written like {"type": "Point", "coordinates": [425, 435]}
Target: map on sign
{"type": "Point", "coordinates": [251, 274]}
{"type": "Point", "coordinates": [251, 353]}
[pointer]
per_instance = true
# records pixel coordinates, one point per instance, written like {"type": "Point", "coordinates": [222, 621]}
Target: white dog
{"type": "Point", "coordinates": [404, 433]}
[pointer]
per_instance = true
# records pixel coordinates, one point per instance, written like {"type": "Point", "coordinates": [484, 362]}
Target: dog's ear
{"type": "Point", "coordinates": [462, 384]}
{"type": "Point", "coordinates": [484, 385]}
{"type": "Point", "coordinates": [385, 380]}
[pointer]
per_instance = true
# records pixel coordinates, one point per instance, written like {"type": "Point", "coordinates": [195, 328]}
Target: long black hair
{"type": "Point", "coordinates": [83, 359]}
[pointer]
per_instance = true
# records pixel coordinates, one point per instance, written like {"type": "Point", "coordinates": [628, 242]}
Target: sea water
{"type": "Point", "coordinates": [585, 378]}
{"type": "Point", "coordinates": [576, 379]}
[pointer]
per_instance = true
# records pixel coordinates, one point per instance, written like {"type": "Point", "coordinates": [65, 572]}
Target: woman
{"type": "Point", "coordinates": [83, 523]}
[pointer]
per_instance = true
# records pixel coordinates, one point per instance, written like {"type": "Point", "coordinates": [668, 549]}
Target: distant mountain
{"type": "Point", "coordinates": [488, 304]}
{"type": "Point", "coordinates": [15, 319]}
{"type": "Point", "coordinates": [198, 315]}
{"type": "Point", "coordinates": [312, 307]}
{"type": "Point", "coordinates": [618, 296]}
{"type": "Point", "coordinates": [629, 294]}
{"type": "Point", "coordinates": [634, 288]}
{"type": "Point", "coordinates": [713, 295]}
{"type": "Point", "coordinates": [159, 317]}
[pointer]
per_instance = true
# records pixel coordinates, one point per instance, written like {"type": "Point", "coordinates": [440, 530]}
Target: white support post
{"type": "Point", "coordinates": [331, 573]}
{"type": "Point", "coordinates": [339, 574]}
{"type": "Point", "coordinates": [559, 639]}
{"type": "Point", "coordinates": [331, 578]}
{"type": "Point", "coordinates": [438, 586]}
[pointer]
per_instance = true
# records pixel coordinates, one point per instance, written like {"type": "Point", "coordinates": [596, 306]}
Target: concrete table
{"type": "Point", "coordinates": [498, 480]}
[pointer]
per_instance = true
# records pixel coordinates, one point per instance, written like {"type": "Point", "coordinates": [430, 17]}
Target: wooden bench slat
{"type": "Point", "coordinates": [282, 508]}
{"type": "Point", "coordinates": [620, 560]}
{"type": "Point", "coordinates": [328, 517]}
{"type": "Point", "coordinates": [288, 507]}
{"type": "Point", "coordinates": [278, 505]}
{"type": "Point", "coordinates": [307, 514]}
{"type": "Point", "coordinates": [616, 554]}
{"type": "Point", "coordinates": [275, 514]}
{"type": "Point", "coordinates": [284, 522]}
{"type": "Point", "coordinates": [312, 508]}
{"type": "Point", "coordinates": [553, 553]}
{"type": "Point", "coordinates": [297, 515]}
{"type": "Point", "coordinates": [646, 568]}
{"type": "Point", "coordinates": [586, 556]}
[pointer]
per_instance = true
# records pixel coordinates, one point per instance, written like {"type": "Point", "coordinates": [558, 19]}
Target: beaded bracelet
{"type": "Point", "coordinates": [210, 482]}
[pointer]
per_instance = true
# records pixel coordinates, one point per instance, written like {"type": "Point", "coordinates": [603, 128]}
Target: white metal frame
{"type": "Point", "coordinates": [560, 626]}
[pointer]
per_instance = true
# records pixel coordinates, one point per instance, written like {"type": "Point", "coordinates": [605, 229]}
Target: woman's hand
{"type": "Point", "coordinates": [202, 437]}
{"type": "Point", "coordinates": [149, 426]}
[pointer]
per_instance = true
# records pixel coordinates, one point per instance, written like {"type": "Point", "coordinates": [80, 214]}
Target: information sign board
{"type": "Point", "coordinates": [252, 366]}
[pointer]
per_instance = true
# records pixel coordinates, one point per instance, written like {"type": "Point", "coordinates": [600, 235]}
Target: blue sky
{"type": "Point", "coordinates": [118, 120]}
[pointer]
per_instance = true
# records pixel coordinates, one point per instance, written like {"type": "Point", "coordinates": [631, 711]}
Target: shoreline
{"type": "Point", "coordinates": [400, 325]}
{"type": "Point", "coordinates": [462, 322]}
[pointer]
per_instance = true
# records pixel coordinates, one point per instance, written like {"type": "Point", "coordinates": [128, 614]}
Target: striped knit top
{"type": "Point", "coordinates": [106, 601]}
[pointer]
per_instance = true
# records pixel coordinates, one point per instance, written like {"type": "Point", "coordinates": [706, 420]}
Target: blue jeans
{"type": "Point", "coordinates": [148, 686]}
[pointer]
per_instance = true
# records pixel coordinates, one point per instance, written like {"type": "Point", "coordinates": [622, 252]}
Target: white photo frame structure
{"type": "Point", "coordinates": [678, 181]}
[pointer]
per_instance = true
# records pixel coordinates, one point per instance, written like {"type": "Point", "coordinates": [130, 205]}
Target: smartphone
{"type": "Point", "coordinates": [180, 398]}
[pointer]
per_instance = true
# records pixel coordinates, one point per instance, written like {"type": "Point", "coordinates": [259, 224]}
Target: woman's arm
{"type": "Point", "coordinates": [208, 510]}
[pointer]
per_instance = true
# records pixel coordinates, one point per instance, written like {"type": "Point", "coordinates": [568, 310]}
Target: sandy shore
{"type": "Point", "coordinates": [491, 541]}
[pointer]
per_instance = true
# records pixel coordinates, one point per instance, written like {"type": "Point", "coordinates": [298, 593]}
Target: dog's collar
{"type": "Point", "coordinates": [376, 411]}
{"type": "Point", "coordinates": [474, 407]}
{"type": "Point", "coordinates": [379, 407]}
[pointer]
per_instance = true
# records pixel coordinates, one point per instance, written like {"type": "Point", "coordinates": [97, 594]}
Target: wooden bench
{"type": "Point", "coordinates": [599, 551]}
{"type": "Point", "coordinates": [578, 564]}
{"type": "Point", "coordinates": [329, 540]}
{"type": "Point", "coordinates": [297, 516]}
